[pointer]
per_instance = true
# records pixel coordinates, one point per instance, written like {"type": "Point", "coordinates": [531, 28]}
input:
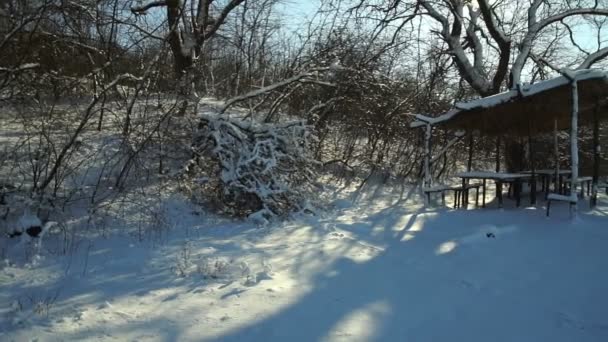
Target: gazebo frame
{"type": "Point", "coordinates": [573, 99]}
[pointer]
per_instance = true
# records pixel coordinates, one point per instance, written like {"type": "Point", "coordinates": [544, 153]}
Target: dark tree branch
{"type": "Point", "coordinates": [143, 8]}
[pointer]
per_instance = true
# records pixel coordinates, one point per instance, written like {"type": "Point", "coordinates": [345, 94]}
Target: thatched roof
{"type": "Point", "coordinates": [531, 109]}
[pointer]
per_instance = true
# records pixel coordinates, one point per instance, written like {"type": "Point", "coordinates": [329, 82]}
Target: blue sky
{"type": "Point", "coordinates": [297, 11]}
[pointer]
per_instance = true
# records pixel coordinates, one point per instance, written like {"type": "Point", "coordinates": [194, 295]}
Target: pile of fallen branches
{"type": "Point", "coordinates": [262, 170]}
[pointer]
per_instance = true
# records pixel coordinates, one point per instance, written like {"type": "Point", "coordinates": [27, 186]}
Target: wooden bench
{"type": "Point", "coordinates": [436, 189]}
{"type": "Point", "coordinates": [603, 185]}
{"type": "Point", "coordinates": [583, 181]}
{"type": "Point", "coordinates": [461, 193]}
{"type": "Point", "coordinates": [571, 200]}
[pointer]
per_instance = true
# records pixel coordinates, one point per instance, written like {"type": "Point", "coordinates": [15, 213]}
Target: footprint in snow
{"type": "Point", "coordinates": [469, 284]}
{"type": "Point", "coordinates": [565, 320]}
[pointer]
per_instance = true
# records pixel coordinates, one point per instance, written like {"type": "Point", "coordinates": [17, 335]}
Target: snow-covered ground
{"type": "Point", "coordinates": [382, 269]}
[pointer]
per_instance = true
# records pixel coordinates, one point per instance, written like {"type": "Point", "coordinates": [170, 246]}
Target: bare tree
{"type": "Point", "coordinates": [191, 24]}
{"type": "Point", "coordinates": [506, 30]}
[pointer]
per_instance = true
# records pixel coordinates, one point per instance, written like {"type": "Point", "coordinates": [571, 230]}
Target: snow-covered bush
{"type": "Point", "coordinates": [213, 268]}
{"type": "Point", "coordinates": [249, 168]}
{"type": "Point", "coordinates": [183, 260]}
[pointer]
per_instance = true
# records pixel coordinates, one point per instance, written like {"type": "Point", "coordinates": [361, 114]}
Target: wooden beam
{"type": "Point", "coordinates": [574, 147]}
{"type": "Point", "coordinates": [532, 166]}
{"type": "Point", "coordinates": [427, 158]}
{"type": "Point", "coordinates": [556, 155]}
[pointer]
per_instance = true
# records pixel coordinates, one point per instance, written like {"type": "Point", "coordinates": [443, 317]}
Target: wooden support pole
{"type": "Point", "coordinates": [532, 166]}
{"type": "Point", "coordinates": [470, 161]}
{"type": "Point", "coordinates": [574, 147]}
{"type": "Point", "coordinates": [498, 154]}
{"type": "Point", "coordinates": [465, 194]}
{"type": "Point", "coordinates": [427, 156]}
{"type": "Point", "coordinates": [596, 154]}
{"type": "Point", "coordinates": [498, 183]}
{"type": "Point", "coordinates": [427, 181]}
{"type": "Point", "coordinates": [556, 151]}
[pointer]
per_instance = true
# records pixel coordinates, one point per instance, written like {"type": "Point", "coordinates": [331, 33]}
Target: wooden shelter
{"type": "Point", "coordinates": [576, 97]}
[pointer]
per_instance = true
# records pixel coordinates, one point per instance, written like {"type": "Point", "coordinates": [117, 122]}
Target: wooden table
{"type": "Point", "coordinates": [499, 178]}
{"type": "Point", "coordinates": [547, 176]}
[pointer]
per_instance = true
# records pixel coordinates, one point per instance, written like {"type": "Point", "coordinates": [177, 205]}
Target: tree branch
{"type": "Point", "coordinates": [474, 76]}
{"type": "Point", "coordinates": [504, 44]}
{"type": "Point", "coordinates": [576, 11]}
{"type": "Point", "coordinates": [272, 87]}
{"type": "Point", "coordinates": [143, 8]}
{"type": "Point", "coordinates": [572, 40]}
{"type": "Point", "coordinates": [496, 32]}
{"type": "Point", "coordinates": [593, 58]}
{"type": "Point", "coordinates": [210, 31]}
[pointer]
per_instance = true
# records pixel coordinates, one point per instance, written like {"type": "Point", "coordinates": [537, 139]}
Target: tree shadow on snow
{"type": "Point", "coordinates": [439, 277]}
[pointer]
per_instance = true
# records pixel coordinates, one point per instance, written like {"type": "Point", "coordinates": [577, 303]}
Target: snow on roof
{"type": "Point", "coordinates": [511, 95]}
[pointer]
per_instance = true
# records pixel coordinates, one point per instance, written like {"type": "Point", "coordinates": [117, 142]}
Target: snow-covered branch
{"type": "Point", "coordinates": [593, 58]}
{"type": "Point", "coordinates": [473, 73]}
{"type": "Point", "coordinates": [254, 93]}
{"type": "Point", "coordinates": [540, 61]}
{"type": "Point", "coordinates": [22, 67]}
{"type": "Point", "coordinates": [534, 27]}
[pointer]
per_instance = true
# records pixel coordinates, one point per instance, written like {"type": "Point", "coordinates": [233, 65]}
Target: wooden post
{"type": "Point", "coordinates": [574, 147]}
{"type": "Point", "coordinates": [556, 146]}
{"type": "Point", "coordinates": [427, 160]}
{"type": "Point", "coordinates": [497, 182]}
{"type": "Point", "coordinates": [470, 161]}
{"type": "Point", "coordinates": [596, 154]}
{"type": "Point", "coordinates": [498, 154]}
{"type": "Point", "coordinates": [533, 167]}
{"type": "Point", "coordinates": [465, 193]}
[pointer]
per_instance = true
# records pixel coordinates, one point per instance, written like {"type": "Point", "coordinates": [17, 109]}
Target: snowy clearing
{"type": "Point", "coordinates": [378, 270]}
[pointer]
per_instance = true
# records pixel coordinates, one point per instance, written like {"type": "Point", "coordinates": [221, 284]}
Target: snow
{"type": "Point", "coordinates": [511, 95]}
{"type": "Point", "coordinates": [549, 172]}
{"type": "Point", "coordinates": [377, 269]}
{"type": "Point", "coordinates": [581, 179]}
{"type": "Point", "coordinates": [435, 188]}
{"type": "Point", "coordinates": [491, 175]}
{"type": "Point", "coordinates": [28, 220]}
{"type": "Point", "coordinates": [557, 197]}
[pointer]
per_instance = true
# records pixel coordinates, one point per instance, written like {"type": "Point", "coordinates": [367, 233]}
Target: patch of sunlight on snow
{"type": "Point", "coordinates": [402, 223]}
{"type": "Point", "coordinates": [407, 237]}
{"type": "Point", "coordinates": [418, 226]}
{"type": "Point", "coordinates": [414, 227]}
{"type": "Point", "coordinates": [365, 255]}
{"type": "Point", "coordinates": [362, 323]}
{"type": "Point", "coordinates": [446, 247]}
